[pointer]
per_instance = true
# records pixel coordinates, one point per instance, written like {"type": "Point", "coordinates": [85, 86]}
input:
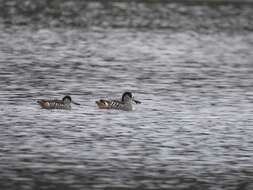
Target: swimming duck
{"type": "Point", "coordinates": [126, 103]}
{"type": "Point", "coordinates": [65, 103]}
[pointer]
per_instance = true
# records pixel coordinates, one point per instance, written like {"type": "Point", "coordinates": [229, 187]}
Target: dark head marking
{"type": "Point", "coordinates": [67, 98]}
{"type": "Point", "coordinates": [129, 94]}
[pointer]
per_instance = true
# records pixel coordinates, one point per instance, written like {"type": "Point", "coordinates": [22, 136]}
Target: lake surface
{"type": "Point", "coordinates": [193, 130]}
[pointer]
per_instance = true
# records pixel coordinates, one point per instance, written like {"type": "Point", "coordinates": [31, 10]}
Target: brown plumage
{"type": "Point", "coordinates": [65, 103]}
{"type": "Point", "coordinates": [103, 104]}
{"type": "Point", "coordinates": [110, 104]}
{"type": "Point", "coordinates": [125, 104]}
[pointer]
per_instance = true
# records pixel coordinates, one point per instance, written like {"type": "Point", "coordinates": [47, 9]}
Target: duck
{"type": "Point", "coordinates": [65, 103]}
{"type": "Point", "coordinates": [126, 103]}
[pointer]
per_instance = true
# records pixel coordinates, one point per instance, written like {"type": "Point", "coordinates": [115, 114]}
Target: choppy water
{"type": "Point", "coordinates": [193, 130]}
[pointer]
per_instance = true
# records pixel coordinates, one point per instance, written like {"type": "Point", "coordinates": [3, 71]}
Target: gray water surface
{"type": "Point", "coordinates": [193, 130]}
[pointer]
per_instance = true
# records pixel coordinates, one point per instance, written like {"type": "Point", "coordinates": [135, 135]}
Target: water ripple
{"type": "Point", "coordinates": [193, 129]}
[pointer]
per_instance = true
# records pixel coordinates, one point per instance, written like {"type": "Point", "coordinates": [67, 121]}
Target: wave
{"type": "Point", "coordinates": [177, 14]}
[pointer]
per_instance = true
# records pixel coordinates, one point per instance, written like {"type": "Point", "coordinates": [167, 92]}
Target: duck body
{"type": "Point", "coordinates": [53, 104]}
{"type": "Point", "coordinates": [114, 104]}
{"type": "Point", "coordinates": [65, 103]}
{"type": "Point", "coordinates": [126, 103]}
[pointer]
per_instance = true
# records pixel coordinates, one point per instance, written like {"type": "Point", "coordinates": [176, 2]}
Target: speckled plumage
{"type": "Point", "coordinates": [126, 103]}
{"type": "Point", "coordinates": [65, 103]}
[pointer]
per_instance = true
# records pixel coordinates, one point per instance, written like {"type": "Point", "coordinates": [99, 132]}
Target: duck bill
{"type": "Point", "coordinates": [75, 103]}
{"type": "Point", "coordinates": [137, 102]}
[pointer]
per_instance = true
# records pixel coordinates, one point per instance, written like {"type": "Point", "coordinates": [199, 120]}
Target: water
{"type": "Point", "coordinates": [193, 129]}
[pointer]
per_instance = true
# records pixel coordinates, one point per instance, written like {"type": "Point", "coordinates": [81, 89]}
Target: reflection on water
{"type": "Point", "coordinates": [193, 129]}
